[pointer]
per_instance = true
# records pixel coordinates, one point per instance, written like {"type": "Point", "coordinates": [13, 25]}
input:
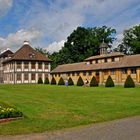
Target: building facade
{"type": "Point", "coordinates": [115, 64]}
{"type": "Point", "coordinates": [4, 56]}
{"type": "Point", "coordinates": [26, 66]}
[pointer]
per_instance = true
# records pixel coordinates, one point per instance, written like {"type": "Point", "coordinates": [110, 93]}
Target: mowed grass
{"type": "Point", "coordinates": [48, 107]}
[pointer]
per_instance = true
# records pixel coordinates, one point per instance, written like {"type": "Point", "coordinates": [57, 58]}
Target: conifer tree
{"type": "Point", "coordinates": [70, 81]}
{"type": "Point", "coordinates": [93, 82]}
{"type": "Point", "coordinates": [40, 80]}
{"type": "Point", "coordinates": [53, 81]}
{"type": "Point", "coordinates": [46, 80]}
{"type": "Point", "coordinates": [109, 82]}
{"type": "Point", "coordinates": [129, 83]}
{"type": "Point", "coordinates": [61, 81]}
{"type": "Point", "coordinates": [80, 82]}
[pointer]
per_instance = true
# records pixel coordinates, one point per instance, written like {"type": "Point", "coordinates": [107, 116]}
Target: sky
{"type": "Point", "coordinates": [48, 23]}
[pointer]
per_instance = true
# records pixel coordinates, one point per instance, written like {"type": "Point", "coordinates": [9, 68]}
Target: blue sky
{"type": "Point", "coordinates": [47, 23]}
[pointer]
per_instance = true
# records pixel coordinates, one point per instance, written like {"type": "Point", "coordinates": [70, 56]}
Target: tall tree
{"type": "Point", "coordinates": [131, 41]}
{"type": "Point", "coordinates": [82, 43]}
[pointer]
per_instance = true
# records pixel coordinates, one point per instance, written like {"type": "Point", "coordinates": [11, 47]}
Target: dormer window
{"type": "Point", "coordinates": [32, 55]}
{"type": "Point", "coordinates": [113, 60]}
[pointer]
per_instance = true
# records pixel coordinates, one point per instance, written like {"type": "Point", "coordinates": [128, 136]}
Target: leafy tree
{"type": "Point", "coordinates": [53, 81]}
{"type": "Point", "coordinates": [61, 81]}
{"type": "Point", "coordinates": [42, 51]}
{"type": "Point", "coordinates": [129, 83]}
{"type": "Point", "coordinates": [40, 80]}
{"type": "Point", "coordinates": [93, 82]}
{"type": "Point", "coordinates": [131, 41]}
{"type": "Point", "coordinates": [46, 80]}
{"type": "Point", "coordinates": [80, 82]}
{"type": "Point", "coordinates": [70, 81]}
{"type": "Point", "coordinates": [109, 82]}
{"type": "Point", "coordinates": [83, 43]}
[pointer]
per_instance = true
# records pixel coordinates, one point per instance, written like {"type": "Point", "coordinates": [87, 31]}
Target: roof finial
{"type": "Point", "coordinates": [26, 42]}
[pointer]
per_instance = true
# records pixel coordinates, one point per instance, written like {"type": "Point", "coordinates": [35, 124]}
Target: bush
{"type": "Point", "coordinates": [9, 112]}
{"type": "Point", "coordinates": [93, 82]}
{"type": "Point", "coordinates": [70, 81]}
{"type": "Point", "coordinates": [61, 81]}
{"type": "Point", "coordinates": [129, 83]}
{"type": "Point", "coordinates": [46, 80]}
{"type": "Point", "coordinates": [53, 81]}
{"type": "Point", "coordinates": [40, 80]}
{"type": "Point", "coordinates": [109, 82]}
{"type": "Point", "coordinates": [80, 82]}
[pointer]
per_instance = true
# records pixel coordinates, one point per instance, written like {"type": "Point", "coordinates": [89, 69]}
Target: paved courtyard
{"type": "Point", "coordinates": [124, 129]}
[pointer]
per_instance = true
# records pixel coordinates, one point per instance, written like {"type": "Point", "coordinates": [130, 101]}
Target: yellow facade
{"type": "Point", "coordinates": [117, 75]}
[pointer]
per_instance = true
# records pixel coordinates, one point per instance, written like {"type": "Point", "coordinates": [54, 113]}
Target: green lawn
{"type": "Point", "coordinates": [49, 107]}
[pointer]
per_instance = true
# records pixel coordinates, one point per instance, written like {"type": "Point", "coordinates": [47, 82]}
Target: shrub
{"type": "Point", "coordinates": [70, 81]}
{"type": "Point", "coordinates": [129, 83]}
{"type": "Point", "coordinates": [46, 80]}
{"type": "Point", "coordinates": [9, 112]}
{"type": "Point", "coordinates": [80, 82]}
{"type": "Point", "coordinates": [53, 81]}
{"type": "Point", "coordinates": [109, 82]}
{"type": "Point", "coordinates": [61, 81]}
{"type": "Point", "coordinates": [93, 82]}
{"type": "Point", "coordinates": [40, 80]}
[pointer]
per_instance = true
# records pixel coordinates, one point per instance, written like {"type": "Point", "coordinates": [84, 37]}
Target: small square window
{"type": "Point", "coordinates": [133, 71]}
{"type": "Point", "coordinates": [124, 71]}
{"type": "Point", "coordinates": [112, 72]}
{"type": "Point", "coordinates": [84, 73]}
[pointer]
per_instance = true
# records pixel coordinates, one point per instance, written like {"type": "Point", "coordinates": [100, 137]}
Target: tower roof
{"type": "Point", "coordinates": [104, 45]}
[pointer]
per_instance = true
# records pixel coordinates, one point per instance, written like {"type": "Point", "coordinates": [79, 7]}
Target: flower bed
{"type": "Point", "coordinates": [9, 112]}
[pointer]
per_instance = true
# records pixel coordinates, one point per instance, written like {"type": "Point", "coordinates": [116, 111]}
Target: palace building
{"type": "Point", "coordinates": [115, 64]}
{"type": "Point", "coordinates": [26, 65]}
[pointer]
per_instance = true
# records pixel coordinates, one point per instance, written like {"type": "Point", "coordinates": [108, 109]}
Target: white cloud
{"type": "Point", "coordinates": [118, 40]}
{"type": "Point", "coordinates": [55, 46]}
{"type": "Point", "coordinates": [54, 21]}
{"type": "Point", "coordinates": [5, 5]}
{"type": "Point", "coordinates": [15, 40]}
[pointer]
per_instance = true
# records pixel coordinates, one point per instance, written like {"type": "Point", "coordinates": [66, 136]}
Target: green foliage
{"type": "Point", "coordinates": [40, 80]}
{"type": "Point", "coordinates": [109, 82]}
{"type": "Point", "coordinates": [53, 81]}
{"type": "Point", "coordinates": [82, 43]}
{"type": "Point", "coordinates": [46, 80]}
{"type": "Point", "coordinates": [131, 41]}
{"type": "Point", "coordinates": [70, 81]}
{"type": "Point", "coordinates": [129, 83]}
{"type": "Point", "coordinates": [61, 81]}
{"type": "Point", "coordinates": [9, 112]}
{"type": "Point", "coordinates": [93, 82]}
{"type": "Point", "coordinates": [80, 82]}
{"type": "Point", "coordinates": [42, 51]}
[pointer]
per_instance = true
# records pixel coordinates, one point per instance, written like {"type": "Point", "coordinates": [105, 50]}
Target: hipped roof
{"type": "Point", "coordinates": [125, 62]}
{"type": "Point", "coordinates": [25, 52]}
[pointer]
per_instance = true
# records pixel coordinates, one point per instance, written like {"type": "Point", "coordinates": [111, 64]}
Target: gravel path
{"type": "Point", "coordinates": [124, 129]}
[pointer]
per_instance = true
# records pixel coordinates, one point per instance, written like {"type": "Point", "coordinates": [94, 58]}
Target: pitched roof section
{"type": "Point", "coordinates": [114, 54]}
{"type": "Point", "coordinates": [6, 53]}
{"type": "Point", "coordinates": [125, 62]}
{"type": "Point", "coordinates": [26, 52]}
